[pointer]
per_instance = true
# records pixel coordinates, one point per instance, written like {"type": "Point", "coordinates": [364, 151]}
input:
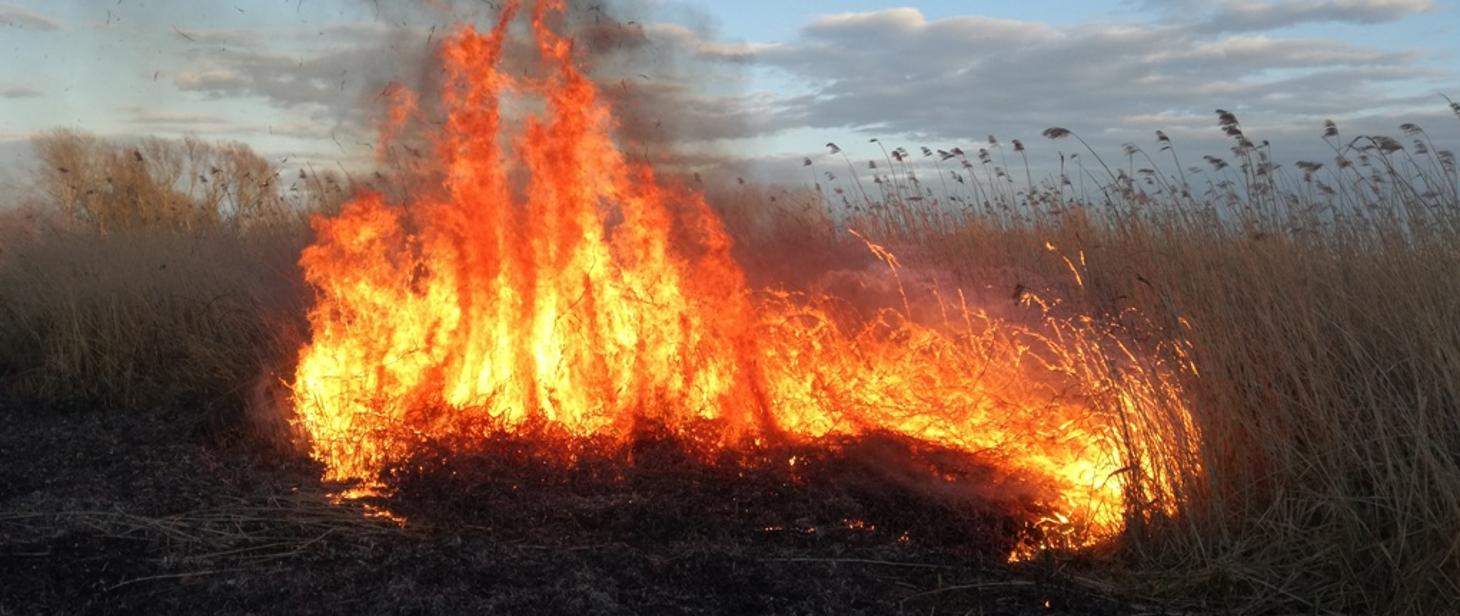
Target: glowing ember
{"type": "Point", "coordinates": [552, 283]}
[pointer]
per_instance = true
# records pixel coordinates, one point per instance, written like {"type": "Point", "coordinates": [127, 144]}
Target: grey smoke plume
{"type": "Point", "coordinates": [671, 104]}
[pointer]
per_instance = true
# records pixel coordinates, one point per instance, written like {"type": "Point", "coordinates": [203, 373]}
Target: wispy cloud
{"type": "Point", "coordinates": [1250, 15]}
{"type": "Point", "coordinates": [174, 123]}
{"type": "Point", "coordinates": [18, 91]}
{"type": "Point", "coordinates": [893, 72]}
{"type": "Point", "coordinates": [12, 16]}
{"type": "Point", "coordinates": [222, 37]}
{"type": "Point", "coordinates": [1220, 16]}
{"type": "Point", "coordinates": [146, 117]}
{"type": "Point", "coordinates": [332, 73]}
{"type": "Point", "coordinates": [898, 72]}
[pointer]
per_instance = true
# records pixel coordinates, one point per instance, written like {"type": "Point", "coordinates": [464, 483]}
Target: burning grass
{"type": "Point", "coordinates": [549, 280]}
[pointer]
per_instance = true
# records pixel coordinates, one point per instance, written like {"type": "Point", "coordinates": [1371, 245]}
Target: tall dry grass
{"type": "Point", "coordinates": [1329, 407]}
{"type": "Point", "coordinates": [1320, 305]}
{"type": "Point", "coordinates": [152, 273]}
{"type": "Point", "coordinates": [145, 318]}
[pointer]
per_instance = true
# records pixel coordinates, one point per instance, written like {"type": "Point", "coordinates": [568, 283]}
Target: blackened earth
{"type": "Point", "coordinates": [160, 513]}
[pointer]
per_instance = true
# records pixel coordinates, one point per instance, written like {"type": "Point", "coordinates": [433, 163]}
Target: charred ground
{"type": "Point", "coordinates": [105, 513]}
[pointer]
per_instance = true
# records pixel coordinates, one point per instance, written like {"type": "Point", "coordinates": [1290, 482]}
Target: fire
{"type": "Point", "coordinates": [551, 282]}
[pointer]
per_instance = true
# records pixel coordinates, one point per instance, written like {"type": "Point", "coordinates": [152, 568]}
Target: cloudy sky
{"type": "Point", "coordinates": [762, 78]}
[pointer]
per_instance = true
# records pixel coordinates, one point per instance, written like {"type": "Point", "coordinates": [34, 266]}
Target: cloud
{"type": "Point", "coordinates": [173, 118]}
{"type": "Point", "coordinates": [1252, 15]}
{"type": "Point", "coordinates": [664, 92]}
{"type": "Point", "coordinates": [889, 73]}
{"type": "Point", "coordinates": [896, 72]}
{"type": "Point", "coordinates": [16, 91]}
{"type": "Point", "coordinates": [327, 96]}
{"type": "Point", "coordinates": [24, 19]}
{"type": "Point", "coordinates": [177, 123]}
{"type": "Point", "coordinates": [330, 86]}
{"type": "Point", "coordinates": [217, 81]}
{"type": "Point", "coordinates": [221, 37]}
{"type": "Point", "coordinates": [667, 112]}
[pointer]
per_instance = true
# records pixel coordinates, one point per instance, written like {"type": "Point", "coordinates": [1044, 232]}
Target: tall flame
{"type": "Point", "coordinates": [572, 288]}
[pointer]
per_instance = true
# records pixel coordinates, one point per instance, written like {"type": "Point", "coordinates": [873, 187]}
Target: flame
{"type": "Point", "coordinates": [550, 281]}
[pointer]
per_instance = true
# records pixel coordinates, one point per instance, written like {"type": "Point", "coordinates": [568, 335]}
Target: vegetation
{"type": "Point", "coordinates": [152, 273]}
{"type": "Point", "coordinates": [1317, 303]}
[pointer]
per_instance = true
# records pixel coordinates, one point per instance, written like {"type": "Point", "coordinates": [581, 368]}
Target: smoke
{"type": "Point", "coordinates": [675, 109]}
{"type": "Point", "coordinates": [673, 106]}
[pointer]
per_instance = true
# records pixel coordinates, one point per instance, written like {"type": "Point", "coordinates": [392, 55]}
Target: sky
{"type": "Point", "coordinates": [769, 80]}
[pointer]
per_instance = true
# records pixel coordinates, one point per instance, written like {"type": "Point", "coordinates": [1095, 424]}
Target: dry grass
{"type": "Point", "coordinates": [144, 317]}
{"type": "Point", "coordinates": [1327, 404]}
{"type": "Point", "coordinates": [1318, 302]}
{"type": "Point", "coordinates": [1320, 307]}
{"type": "Point", "coordinates": [1330, 408]}
{"type": "Point", "coordinates": [153, 273]}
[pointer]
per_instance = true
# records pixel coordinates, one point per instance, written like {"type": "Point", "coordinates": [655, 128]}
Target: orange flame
{"type": "Point", "coordinates": [590, 296]}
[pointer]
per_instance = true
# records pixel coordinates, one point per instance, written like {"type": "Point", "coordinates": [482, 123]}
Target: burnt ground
{"type": "Point", "coordinates": [121, 513]}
